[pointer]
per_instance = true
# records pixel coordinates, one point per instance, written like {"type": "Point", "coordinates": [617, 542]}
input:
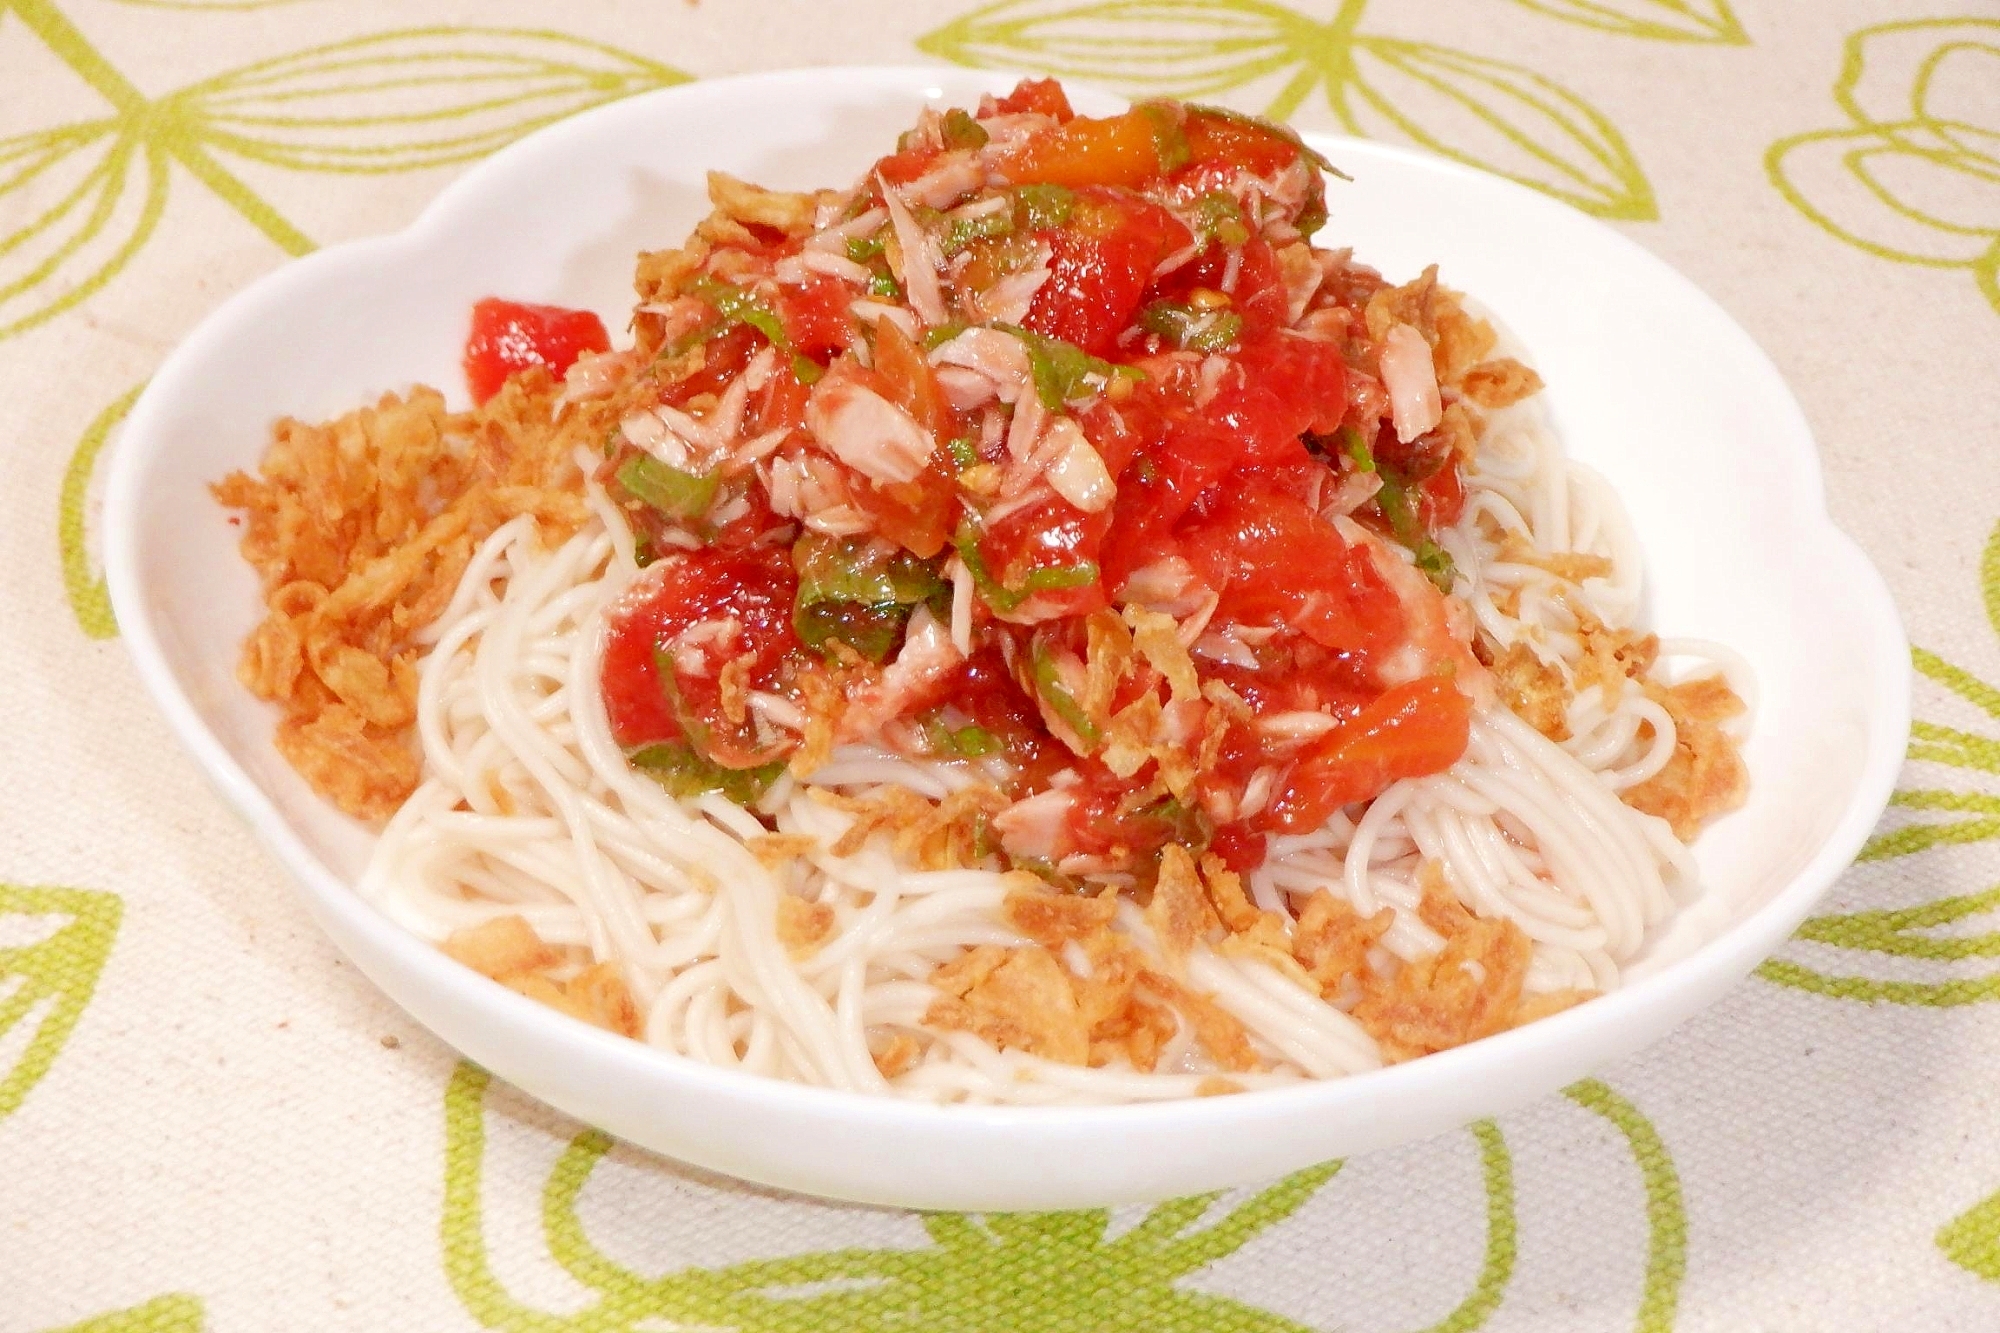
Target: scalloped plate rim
{"type": "Point", "coordinates": [1735, 952]}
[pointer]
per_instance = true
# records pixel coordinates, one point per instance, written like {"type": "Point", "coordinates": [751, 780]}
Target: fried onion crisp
{"type": "Point", "coordinates": [933, 835]}
{"type": "Point", "coordinates": [1533, 690]}
{"type": "Point", "coordinates": [1705, 775]}
{"type": "Point", "coordinates": [1180, 913]}
{"type": "Point", "coordinates": [507, 950]}
{"type": "Point", "coordinates": [1468, 989]}
{"type": "Point", "coordinates": [1501, 382]}
{"type": "Point", "coordinates": [896, 1055]}
{"type": "Point", "coordinates": [1050, 918]}
{"type": "Point", "coordinates": [359, 531]}
{"type": "Point", "coordinates": [803, 926]}
{"type": "Point", "coordinates": [504, 947]}
{"type": "Point", "coordinates": [1331, 940]}
{"type": "Point", "coordinates": [1018, 999]}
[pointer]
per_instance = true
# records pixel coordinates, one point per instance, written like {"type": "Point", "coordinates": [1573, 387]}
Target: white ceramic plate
{"type": "Point", "coordinates": [1649, 382]}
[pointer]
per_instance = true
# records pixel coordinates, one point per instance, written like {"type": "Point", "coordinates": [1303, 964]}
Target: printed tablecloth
{"type": "Point", "coordinates": [209, 1121]}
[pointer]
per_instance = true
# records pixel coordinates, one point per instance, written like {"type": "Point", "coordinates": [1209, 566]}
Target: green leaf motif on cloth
{"type": "Point", "coordinates": [1067, 1272]}
{"type": "Point", "coordinates": [85, 197]}
{"type": "Point", "coordinates": [1656, 20]}
{"type": "Point", "coordinates": [402, 101]}
{"type": "Point", "coordinates": [1033, 1271]}
{"type": "Point", "coordinates": [177, 1313]}
{"type": "Point", "coordinates": [1666, 1214]}
{"type": "Point", "coordinates": [1474, 109]}
{"type": "Point", "coordinates": [1972, 1239]}
{"type": "Point", "coordinates": [47, 983]}
{"type": "Point", "coordinates": [1913, 175]}
{"type": "Point", "coordinates": [89, 601]}
{"type": "Point", "coordinates": [1966, 812]}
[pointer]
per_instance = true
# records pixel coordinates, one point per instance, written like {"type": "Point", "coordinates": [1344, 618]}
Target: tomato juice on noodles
{"type": "Point", "coordinates": [1027, 628]}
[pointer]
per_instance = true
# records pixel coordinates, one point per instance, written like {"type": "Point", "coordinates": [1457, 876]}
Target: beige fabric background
{"type": "Point", "coordinates": [240, 1134]}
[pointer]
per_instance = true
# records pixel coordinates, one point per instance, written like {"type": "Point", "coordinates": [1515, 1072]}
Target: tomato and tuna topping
{"type": "Point", "coordinates": [1052, 451]}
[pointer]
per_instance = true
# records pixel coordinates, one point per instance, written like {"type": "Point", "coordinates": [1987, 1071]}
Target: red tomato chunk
{"type": "Point", "coordinates": [508, 337]}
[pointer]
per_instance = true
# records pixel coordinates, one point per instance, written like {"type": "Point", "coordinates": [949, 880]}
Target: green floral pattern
{"type": "Point", "coordinates": [163, 1314]}
{"type": "Point", "coordinates": [46, 982]}
{"type": "Point", "coordinates": [92, 192]}
{"type": "Point", "coordinates": [1475, 109]}
{"type": "Point", "coordinates": [1965, 811]}
{"type": "Point", "coordinates": [1656, 20]}
{"type": "Point", "coordinates": [1913, 175]}
{"type": "Point", "coordinates": [1067, 1272]}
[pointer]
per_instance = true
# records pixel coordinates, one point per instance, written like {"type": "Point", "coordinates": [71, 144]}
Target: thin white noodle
{"type": "Point", "coordinates": [528, 806]}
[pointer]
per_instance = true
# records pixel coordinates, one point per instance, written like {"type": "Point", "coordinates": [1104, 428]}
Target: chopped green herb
{"type": "Point", "coordinates": [1190, 329]}
{"type": "Point", "coordinates": [857, 591]}
{"type": "Point", "coordinates": [963, 231]}
{"type": "Point", "coordinates": [1044, 207]}
{"type": "Point", "coordinates": [1049, 685]}
{"type": "Point", "coordinates": [1170, 140]}
{"type": "Point", "coordinates": [677, 766]}
{"type": "Point", "coordinates": [1056, 578]}
{"type": "Point", "coordinates": [962, 131]}
{"type": "Point", "coordinates": [1064, 371]}
{"type": "Point", "coordinates": [677, 494]}
{"type": "Point", "coordinates": [1357, 449]}
{"type": "Point", "coordinates": [1313, 216]}
{"type": "Point", "coordinates": [1397, 506]}
{"type": "Point", "coordinates": [1218, 217]}
{"type": "Point", "coordinates": [861, 249]}
{"type": "Point", "coordinates": [1436, 563]}
{"type": "Point", "coordinates": [1043, 578]}
{"type": "Point", "coordinates": [964, 453]}
{"type": "Point", "coordinates": [872, 631]}
{"type": "Point", "coordinates": [943, 333]}
{"type": "Point", "coordinates": [968, 742]}
{"type": "Point", "coordinates": [885, 286]}
{"type": "Point", "coordinates": [742, 307]}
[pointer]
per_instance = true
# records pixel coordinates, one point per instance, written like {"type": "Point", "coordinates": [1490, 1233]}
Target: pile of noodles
{"type": "Point", "coordinates": [528, 809]}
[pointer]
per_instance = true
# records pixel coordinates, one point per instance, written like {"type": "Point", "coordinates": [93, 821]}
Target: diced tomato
{"type": "Point", "coordinates": [1101, 822]}
{"type": "Point", "coordinates": [1411, 731]}
{"type": "Point", "coordinates": [781, 403]}
{"type": "Point", "coordinates": [1279, 387]}
{"type": "Point", "coordinates": [1257, 290]}
{"type": "Point", "coordinates": [1046, 537]}
{"type": "Point", "coordinates": [1240, 847]}
{"type": "Point", "coordinates": [916, 514]}
{"type": "Point", "coordinates": [1441, 498]}
{"type": "Point", "coordinates": [1113, 150]}
{"type": "Point", "coordinates": [1283, 386]}
{"type": "Point", "coordinates": [987, 692]}
{"type": "Point", "coordinates": [1273, 559]}
{"type": "Point", "coordinates": [1237, 143]}
{"type": "Point", "coordinates": [756, 588]}
{"type": "Point", "coordinates": [907, 380]}
{"type": "Point", "coordinates": [904, 166]}
{"type": "Point", "coordinates": [1296, 675]}
{"type": "Point", "coordinates": [1041, 96]}
{"type": "Point", "coordinates": [815, 316]}
{"type": "Point", "coordinates": [723, 359]}
{"type": "Point", "coordinates": [1104, 257]}
{"type": "Point", "coordinates": [508, 336]}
